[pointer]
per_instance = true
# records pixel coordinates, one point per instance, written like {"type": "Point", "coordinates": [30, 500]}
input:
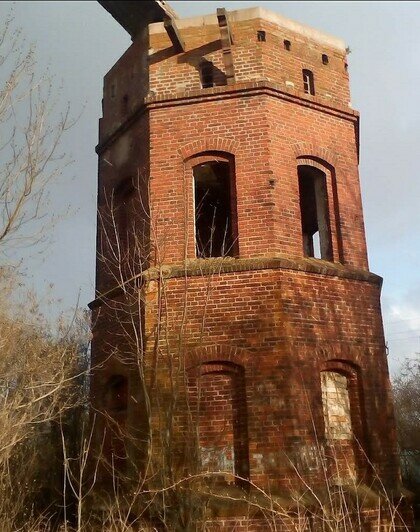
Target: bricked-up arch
{"type": "Point", "coordinates": [345, 436]}
{"type": "Point", "coordinates": [217, 397]}
{"type": "Point", "coordinates": [215, 211]}
{"type": "Point", "coordinates": [320, 208]}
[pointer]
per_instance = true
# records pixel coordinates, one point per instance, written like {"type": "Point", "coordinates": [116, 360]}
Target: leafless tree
{"type": "Point", "coordinates": [31, 128]}
{"type": "Point", "coordinates": [406, 386]}
{"type": "Point", "coordinates": [39, 367]}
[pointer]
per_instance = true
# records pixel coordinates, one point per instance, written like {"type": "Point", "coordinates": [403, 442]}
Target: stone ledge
{"type": "Point", "coordinates": [197, 267]}
{"type": "Point", "coordinates": [225, 265]}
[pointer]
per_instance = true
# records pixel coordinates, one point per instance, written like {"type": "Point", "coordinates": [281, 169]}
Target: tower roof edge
{"type": "Point", "coordinates": [259, 13]}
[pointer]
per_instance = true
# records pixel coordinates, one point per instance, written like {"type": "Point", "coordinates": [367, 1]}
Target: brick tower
{"type": "Point", "coordinates": [238, 336]}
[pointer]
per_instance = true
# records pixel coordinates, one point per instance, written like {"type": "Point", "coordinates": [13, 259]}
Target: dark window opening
{"type": "Point", "coordinates": [346, 67]}
{"type": "Point", "coordinates": [207, 74]}
{"type": "Point", "coordinates": [215, 210]}
{"type": "Point", "coordinates": [308, 82]}
{"type": "Point", "coordinates": [261, 36]}
{"type": "Point", "coordinates": [325, 59]}
{"type": "Point", "coordinates": [116, 394]}
{"type": "Point", "coordinates": [124, 104]}
{"type": "Point", "coordinates": [314, 213]}
{"type": "Point", "coordinates": [116, 403]}
{"type": "Point", "coordinates": [124, 210]}
{"type": "Point", "coordinates": [287, 45]}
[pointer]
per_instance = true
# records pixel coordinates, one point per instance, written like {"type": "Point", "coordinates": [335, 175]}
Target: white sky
{"type": "Point", "coordinates": [80, 41]}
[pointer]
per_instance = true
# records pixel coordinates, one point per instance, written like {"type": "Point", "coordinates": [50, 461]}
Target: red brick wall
{"type": "Point", "coordinates": [284, 327]}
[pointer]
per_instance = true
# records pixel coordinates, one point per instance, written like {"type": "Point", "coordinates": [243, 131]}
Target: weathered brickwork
{"type": "Point", "coordinates": [224, 366]}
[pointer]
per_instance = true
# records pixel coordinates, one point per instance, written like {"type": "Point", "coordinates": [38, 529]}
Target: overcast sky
{"type": "Point", "coordinates": [80, 42]}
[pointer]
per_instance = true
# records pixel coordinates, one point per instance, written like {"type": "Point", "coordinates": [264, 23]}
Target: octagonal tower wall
{"type": "Point", "coordinates": [268, 320]}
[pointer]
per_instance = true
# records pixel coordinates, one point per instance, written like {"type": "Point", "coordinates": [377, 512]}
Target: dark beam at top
{"type": "Point", "coordinates": [134, 15]}
{"type": "Point", "coordinates": [227, 41]}
{"type": "Point", "coordinates": [174, 35]}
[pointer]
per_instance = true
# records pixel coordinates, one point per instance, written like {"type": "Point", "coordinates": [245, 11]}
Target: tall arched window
{"type": "Point", "coordinates": [316, 233]}
{"type": "Point", "coordinates": [215, 207]}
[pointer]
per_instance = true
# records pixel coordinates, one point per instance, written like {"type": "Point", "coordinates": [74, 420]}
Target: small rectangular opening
{"type": "Point", "coordinates": [314, 213]}
{"type": "Point", "coordinates": [308, 82]}
{"type": "Point", "coordinates": [261, 36]}
{"type": "Point", "coordinates": [287, 45]}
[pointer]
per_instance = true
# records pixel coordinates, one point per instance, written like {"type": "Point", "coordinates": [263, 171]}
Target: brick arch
{"type": "Point", "coordinates": [309, 151]}
{"type": "Point", "coordinates": [216, 353]}
{"type": "Point", "coordinates": [316, 162]}
{"type": "Point", "coordinates": [340, 365]}
{"type": "Point", "coordinates": [208, 144]}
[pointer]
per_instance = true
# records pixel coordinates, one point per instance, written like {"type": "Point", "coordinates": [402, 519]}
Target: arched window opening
{"type": "Point", "coordinates": [215, 210]}
{"type": "Point", "coordinates": [336, 403]}
{"type": "Point", "coordinates": [308, 82]}
{"type": "Point", "coordinates": [325, 59]}
{"type": "Point", "coordinates": [207, 74]}
{"type": "Point", "coordinates": [218, 397]}
{"type": "Point", "coordinates": [313, 198]}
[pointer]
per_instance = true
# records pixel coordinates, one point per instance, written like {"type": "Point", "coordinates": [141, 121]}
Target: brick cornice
{"type": "Point", "coordinates": [238, 90]}
{"type": "Point", "coordinates": [218, 266]}
{"type": "Point", "coordinates": [250, 86]}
